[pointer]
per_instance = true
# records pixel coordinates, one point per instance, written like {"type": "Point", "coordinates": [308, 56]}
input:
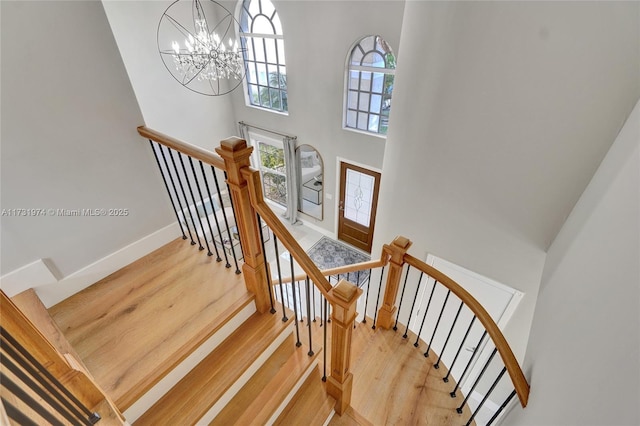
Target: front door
{"type": "Point", "coordinates": [357, 205]}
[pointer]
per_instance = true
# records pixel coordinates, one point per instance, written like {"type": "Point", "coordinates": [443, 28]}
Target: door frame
{"type": "Point", "coordinates": [336, 216]}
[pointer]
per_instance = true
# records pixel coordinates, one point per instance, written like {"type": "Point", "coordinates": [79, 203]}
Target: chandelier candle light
{"type": "Point", "coordinates": [199, 58]}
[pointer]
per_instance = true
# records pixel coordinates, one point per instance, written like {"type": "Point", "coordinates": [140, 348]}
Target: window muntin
{"type": "Point", "coordinates": [370, 77]}
{"type": "Point", "coordinates": [266, 76]}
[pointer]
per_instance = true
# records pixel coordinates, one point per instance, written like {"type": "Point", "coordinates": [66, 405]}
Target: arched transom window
{"type": "Point", "coordinates": [266, 81]}
{"type": "Point", "coordinates": [370, 74]}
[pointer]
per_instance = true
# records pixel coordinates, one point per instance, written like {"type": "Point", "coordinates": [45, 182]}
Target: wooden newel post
{"type": "Point", "coordinates": [236, 156]}
{"type": "Point", "coordinates": [397, 250]}
{"type": "Point", "coordinates": [339, 384]}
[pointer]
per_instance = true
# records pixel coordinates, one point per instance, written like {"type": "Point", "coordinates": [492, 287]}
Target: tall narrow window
{"type": "Point", "coordinates": [271, 163]}
{"type": "Point", "coordinates": [370, 75]}
{"type": "Point", "coordinates": [266, 79]}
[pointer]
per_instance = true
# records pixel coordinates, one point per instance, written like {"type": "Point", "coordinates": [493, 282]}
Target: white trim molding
{"type": "Point", "coordinates": [51, 290]}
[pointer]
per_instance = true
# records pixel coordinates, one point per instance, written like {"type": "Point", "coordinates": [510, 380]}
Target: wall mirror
{"type": "Point", "coordinates": [311, 193]}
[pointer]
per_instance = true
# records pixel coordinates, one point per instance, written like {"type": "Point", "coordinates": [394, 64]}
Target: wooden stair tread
{"type": "Point", "coordinates": [310, 406]}
{"type": "Point", "coordinates": [137, 324]}
{"type": "Point", "coordinates": [258, 400]}
{"type": "Point", "coordinates": [199, 390]}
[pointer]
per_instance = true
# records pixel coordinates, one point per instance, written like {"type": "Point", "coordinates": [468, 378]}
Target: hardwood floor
{"type": "Point", "coordinates": [394, 384]}
{"type": "Point", "coordinates": [176, 297]}
{"type": "Point", "coordinates": [141, 321]}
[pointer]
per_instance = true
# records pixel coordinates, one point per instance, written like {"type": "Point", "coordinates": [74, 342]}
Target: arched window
{"type": "Point", "coordinates": [370, 74]}
{"type": "Point", "coordinates": [266, 80]}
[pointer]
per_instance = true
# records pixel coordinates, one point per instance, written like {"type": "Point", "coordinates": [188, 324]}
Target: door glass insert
{"type": "Point", "coordinates": [358, 197]}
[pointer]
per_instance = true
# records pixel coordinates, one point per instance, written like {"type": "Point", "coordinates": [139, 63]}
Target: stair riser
{"type": "Point", "coordinates": [170, 380]}
{"type": "Point", "coordinates": [292, 393]}
{"type": "Point", "coordinates": [242, 380]}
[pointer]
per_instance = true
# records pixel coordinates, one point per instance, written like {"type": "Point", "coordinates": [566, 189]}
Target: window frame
{"type": "Point", "coordinates": [255, 138]}
{"type": "Point", "coordinates": [360, 69]}
{"type": "Point", "coordinates": [251, 59]}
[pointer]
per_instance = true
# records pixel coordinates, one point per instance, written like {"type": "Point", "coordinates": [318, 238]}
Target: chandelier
{"type": "Point", "coordinates": [197, 44]}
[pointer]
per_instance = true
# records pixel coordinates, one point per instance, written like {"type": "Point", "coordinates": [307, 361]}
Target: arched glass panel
{"type": "Point", "coordinates": [266, 76]}
{"type": "Point", "coordinates": [370, 77]}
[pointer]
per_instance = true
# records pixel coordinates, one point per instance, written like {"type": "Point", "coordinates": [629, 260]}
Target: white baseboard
{"type": "Point", "coordinates": [55, 291]}
{"type": "Point", "coordinates": [35, 274]}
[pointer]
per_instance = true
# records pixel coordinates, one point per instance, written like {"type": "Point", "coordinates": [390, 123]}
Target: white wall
{"type": "Point", "coordinates": [318, 37]}
{"type": "Point", "coordinates": [584, 354]}
{"type": "Point", "coordinates": [502, 112]}
{"type": "Point", "coordinates": [165, 104]}
{"type": "Point", "coordinates": [69, 139]}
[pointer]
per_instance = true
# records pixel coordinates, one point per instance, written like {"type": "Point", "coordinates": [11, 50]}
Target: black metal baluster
{"type": "Point", "coordinates": [28, 400]}
{"type": "Point", "coordinates": [475, 383]}
{"type": "Point", "coordinates": [375, 314]}
{"type": "Point", "coordinates": [217, 221]}
{"type": "Point", "coordinates": [313, 295]}
{"type": "Point", "coordinates": [321, 310]}
{"type": "Point", "coordinates": [70, 413]}
{"type": "Point", "coordinates": [213, 209]}
{"type": "Point", "coordinates": [204, 209]}
{"type": "Point", "coordinates": [34, 364]}
{"type": "Point", "coordinates": [166, 185]}
{"type": "Point", "coordinates": [486, 395]}
{"type": "Point", "coordinates": [358, 279]}
{"type": "Point", "coordinates": [426, 311]}
{"type": "Point", "coordinates": [175, 190]}
{"type": "Point", "coordinates": [233, 208]}
{"type": "Point", "coordinates": [413, 304]}
{"type": "Point", "coordinates": [226, 221]}
{"type": "Point", "coordinates": [17, 415]}
{"type": "Point", "coordinates": [186, 200]}
{"type": "Point", "coordinates": [300, 300]}
{"type": "Point", "coordinates": [435, 329]}
{"type": "Point", "coordinates": [324, 364]}
{"type": "Point", "coordinates": [284, 310]}
{"type": "Point", "coordinates": [310, 353]}
{"type": "Point", "coordinates": [266, 264]}
{"type": "Point", "coordinates": [193, 198]}
{"type": "Point", "coordinates": [295, 307]}
{"type": "Point", "coordinates": [502, 407]}
{"type": "Point", "coordinates": [395, 326]}
{"type": "Point", "coordinates": [455, 358]}
{"type": "Point", "coordinates": [453, 393]}
{"type": "Point", "coordinates": [366, 299]}
{"type": "Point", "coordinates": [437, 364]}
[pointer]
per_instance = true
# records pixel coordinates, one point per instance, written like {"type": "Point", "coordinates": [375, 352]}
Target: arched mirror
{"type": "Point", "coordinates": [311, 191]}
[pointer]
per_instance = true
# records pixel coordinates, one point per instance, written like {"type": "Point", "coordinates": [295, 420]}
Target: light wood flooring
{"type": "Point", "coordinates": [181, 295]}
{"type": "Point", "coordinates": [394, 384]}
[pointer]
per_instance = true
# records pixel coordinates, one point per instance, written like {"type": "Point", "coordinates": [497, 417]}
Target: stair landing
{"type": "Point", "coordinates": [135, 325]}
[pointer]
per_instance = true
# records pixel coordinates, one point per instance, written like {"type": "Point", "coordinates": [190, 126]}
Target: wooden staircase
{"type": "Point", "coordinates": [174, 338]}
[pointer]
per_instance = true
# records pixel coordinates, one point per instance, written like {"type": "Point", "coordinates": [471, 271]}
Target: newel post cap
{"type": "Point", "coordinates": [345, 291]}
{"type": "Point", "coordinates": [402, 242]}
{"type": "Point", "coordinates": [233, 144]}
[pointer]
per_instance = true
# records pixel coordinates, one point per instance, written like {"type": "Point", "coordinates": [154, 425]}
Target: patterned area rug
{"type": "Point", "coordinates": [328, 253]}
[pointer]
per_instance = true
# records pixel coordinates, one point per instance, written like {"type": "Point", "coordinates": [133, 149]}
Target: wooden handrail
{"type": "Point", "coordinates": [277, 227]}
{"type": "Point", "coordinates": [194, 151]}
{"type": "Point", "coordinates": [341, 270]}
{"type": "Point", "coordinates": [515, 372]}
{"type": "Point", "coordinates": [63, 367]}
{"type": "Point", "coordinates": [394, 253]}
